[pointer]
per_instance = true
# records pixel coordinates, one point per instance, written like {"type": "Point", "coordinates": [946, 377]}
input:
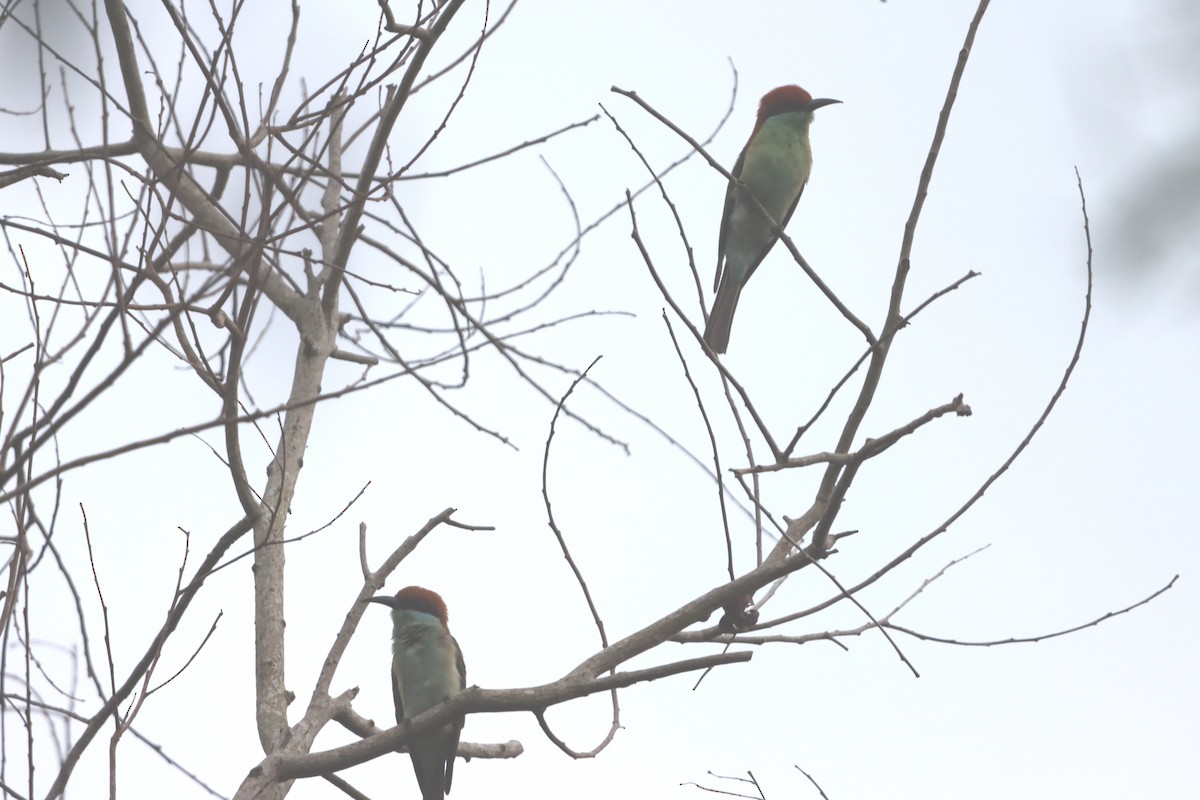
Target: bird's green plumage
{"type": "Point", "coordinates": [427, 668]}
{"type": "Point", "coordinates": [773, 166]}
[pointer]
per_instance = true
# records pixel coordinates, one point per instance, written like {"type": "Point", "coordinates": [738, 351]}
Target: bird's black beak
{"type": "Point", "coordinates": [383, 599]}
{"type": "Point", "coordinates": [824, 101]}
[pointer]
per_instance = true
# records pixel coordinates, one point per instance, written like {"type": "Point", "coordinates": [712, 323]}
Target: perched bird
{"type": "Point", "coordinates": [427, 668]}
{"type": "Point", "coordinates": [774, 166]}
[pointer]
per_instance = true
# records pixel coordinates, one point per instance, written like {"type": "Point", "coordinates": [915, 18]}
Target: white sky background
{"type": "Point", "coordinates": [1098, 513]}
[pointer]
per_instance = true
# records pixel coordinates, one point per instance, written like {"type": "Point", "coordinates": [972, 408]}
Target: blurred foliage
{"type": "Point", "coordinates": [1157, 223]}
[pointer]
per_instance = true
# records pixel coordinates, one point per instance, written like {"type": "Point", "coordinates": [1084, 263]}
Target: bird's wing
{"type": "Point", "coordinates": [783, 223]}
{"type": "Point", "coordinates": [458, 723]}
{"type": "Point", "coordinates": [462, 667]}
{"type": "Point", "coordinates": [396, 697]}
{"type": "Point", "coordinates": [729, 198]}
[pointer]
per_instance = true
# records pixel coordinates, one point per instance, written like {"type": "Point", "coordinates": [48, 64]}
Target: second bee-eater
{"type": "Point", "coordinates": [427, 668]}
{"type": "Point", "coordinates": [774, 166]}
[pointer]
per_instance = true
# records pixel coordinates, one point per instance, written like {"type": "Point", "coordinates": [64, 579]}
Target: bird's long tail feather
{"type": "Point", "coordinates": [720, 320]}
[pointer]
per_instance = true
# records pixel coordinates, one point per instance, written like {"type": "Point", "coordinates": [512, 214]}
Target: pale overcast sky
{"type": "Point", "coordinates": [1098, 513]}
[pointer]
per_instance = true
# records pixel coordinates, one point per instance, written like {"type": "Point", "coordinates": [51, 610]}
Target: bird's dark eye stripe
{"type": "Point", "coordinates": [787, 108]}
{"type": "Point", "coordinates": [417, 604]}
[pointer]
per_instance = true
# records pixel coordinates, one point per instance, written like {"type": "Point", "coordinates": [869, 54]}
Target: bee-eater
{"type": "Point", "coordinates": [774, 166]}
{"type": "Point", "coordinates": [427, 668]}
